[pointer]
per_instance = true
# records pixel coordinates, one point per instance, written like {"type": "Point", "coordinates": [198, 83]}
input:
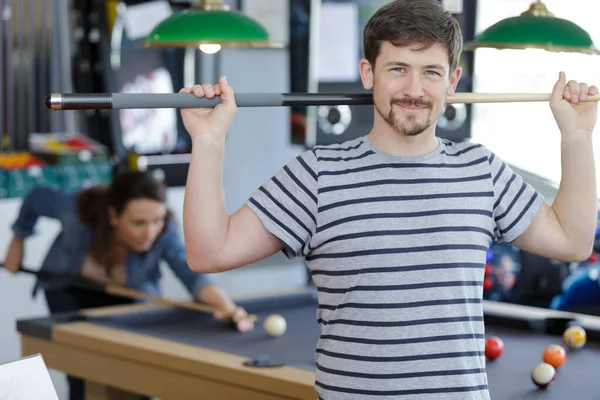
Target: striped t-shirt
{"type": "Point", "coordinates": [396, 247]}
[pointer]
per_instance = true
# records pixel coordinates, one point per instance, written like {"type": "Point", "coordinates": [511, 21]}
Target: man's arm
{"type": "Point", "coordinates": [566, 230]}
{"type": "Point", "coordinates": [216, 241]}
{"type": "Point", "coordinates": [281, 215]}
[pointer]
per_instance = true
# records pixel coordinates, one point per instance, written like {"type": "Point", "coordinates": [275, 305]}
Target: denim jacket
{"type": "Point", "coordinates": [71, 246]}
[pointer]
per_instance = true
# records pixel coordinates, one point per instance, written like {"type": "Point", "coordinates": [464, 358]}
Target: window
{"type": "Point", "coordinates": [525, 134]}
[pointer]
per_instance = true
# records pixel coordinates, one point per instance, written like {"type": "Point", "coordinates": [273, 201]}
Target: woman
{"type": "Point", "coordinates": [112, 234]}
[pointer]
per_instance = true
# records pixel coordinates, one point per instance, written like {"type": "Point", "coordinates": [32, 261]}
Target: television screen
{"type": "Point", "coordinates": [147, 131]}
{"type": "Point", "coordinates": [131, 68]}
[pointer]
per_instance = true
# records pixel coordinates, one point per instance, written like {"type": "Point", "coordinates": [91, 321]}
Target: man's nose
{"type": "Point", "coordinates": [414, 86]}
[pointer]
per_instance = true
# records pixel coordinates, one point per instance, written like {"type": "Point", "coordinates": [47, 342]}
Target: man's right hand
{"type": "Point", "coordinates": [14, 255]}
{"type": "Point", "coordinates": [210, 122]}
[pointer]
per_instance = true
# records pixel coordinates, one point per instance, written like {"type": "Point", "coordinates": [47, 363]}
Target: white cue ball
{"type": "Point", "coordinates": [543, 375]}
{"type": "Point", "coordinates": [275, 325]}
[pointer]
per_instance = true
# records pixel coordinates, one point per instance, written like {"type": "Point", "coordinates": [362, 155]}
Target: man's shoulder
{"type": "Point", "coordinates": [464, 150]}
{"type": "Point", "coordinates": [346, 150]}
{"type": "Point", "coordinates": [346, 145]}
{"type": "Point", "coordinates": [321, 156]}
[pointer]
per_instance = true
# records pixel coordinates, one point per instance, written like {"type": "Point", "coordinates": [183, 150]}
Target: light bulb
{"type": "Point", "coordinates": [209, 48]}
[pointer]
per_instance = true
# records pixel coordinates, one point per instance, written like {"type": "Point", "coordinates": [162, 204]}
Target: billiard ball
{"type": "Point", "coordinates": [554, 355]}
{"type": "Point", "coordinates": [543, 375]}
{"type": "Point", "coordinates": [275, 325]}
{"type": "Point", "coordinates": [494, 346]}
{"type": "Point", "coordinates": [574, 337]}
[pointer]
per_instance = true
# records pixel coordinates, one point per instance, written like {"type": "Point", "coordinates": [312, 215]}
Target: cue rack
{"type": "Point", "coordinates": [34, 58]}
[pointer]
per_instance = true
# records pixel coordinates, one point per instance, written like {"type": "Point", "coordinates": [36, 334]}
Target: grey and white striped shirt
{"type": "Point", "coordinates": [397, 248]}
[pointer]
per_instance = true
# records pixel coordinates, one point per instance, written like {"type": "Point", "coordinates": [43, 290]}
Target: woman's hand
{"type": "Point", "coordinates": [239, 317]}
{"type": "Point", "coordinates": [225, 308]}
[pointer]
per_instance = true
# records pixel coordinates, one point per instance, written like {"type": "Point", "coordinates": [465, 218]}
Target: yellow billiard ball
{"type": "Point", "coordinates": [574, 337]}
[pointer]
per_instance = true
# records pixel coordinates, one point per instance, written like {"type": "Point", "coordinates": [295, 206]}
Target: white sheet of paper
{"type": "Point", "coordinates": [453, 6]}
{"type": "Point", "coordinates": [140, 19]}
{"type": "Point", "coordinates": [26, 379]}
{"type": "Point", "coordinates": [152, 130]}
{"type": "Point", "coordinates": [272, 14]}
{"type": "Point", "coordinates": [338, 43]}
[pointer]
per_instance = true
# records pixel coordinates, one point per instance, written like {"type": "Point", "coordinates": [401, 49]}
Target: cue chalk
{"type": "Point", "coordinates": [122, 291]}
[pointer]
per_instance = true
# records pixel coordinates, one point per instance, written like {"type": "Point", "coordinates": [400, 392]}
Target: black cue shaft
{"type": "Point", "coordinates": [84, 283]}
{"type": "Point", "coordinates": [68, 279]}
{"type": "Point", "coordinates": [115, 101]}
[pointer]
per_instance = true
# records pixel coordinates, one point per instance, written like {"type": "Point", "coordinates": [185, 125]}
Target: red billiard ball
{"type": "Point", "coordinates": [488, 283]}
{"type": "Point", "coordinates": [543, 375]}
{"type": "Point", "coordinates": [488, 269]}
{"type": "Point", "coordinates": [494, 346]}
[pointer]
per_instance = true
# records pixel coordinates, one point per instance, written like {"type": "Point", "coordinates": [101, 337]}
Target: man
{"type": "Point", "coordinates": [394, 225]}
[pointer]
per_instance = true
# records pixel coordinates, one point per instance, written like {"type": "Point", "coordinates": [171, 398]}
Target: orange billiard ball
{"type": "Point", "coordinates": [555, 355]}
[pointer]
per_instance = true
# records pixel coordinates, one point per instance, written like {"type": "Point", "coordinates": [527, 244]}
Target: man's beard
{"type": "Point", "coordinates": [412, 128]}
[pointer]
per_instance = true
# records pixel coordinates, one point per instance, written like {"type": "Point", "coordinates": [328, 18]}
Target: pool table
{"type": "Point", "coordinates": [175, 353]}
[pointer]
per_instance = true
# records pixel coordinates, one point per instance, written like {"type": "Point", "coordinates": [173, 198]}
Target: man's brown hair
{"type": "Point", "coordinates": [410, 22]}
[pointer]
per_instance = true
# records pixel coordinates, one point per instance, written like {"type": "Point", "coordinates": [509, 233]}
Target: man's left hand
{"type": "Point", "coordinates": [569, 106]}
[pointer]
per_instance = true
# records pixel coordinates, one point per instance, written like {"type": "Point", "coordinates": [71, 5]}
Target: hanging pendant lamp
{"type": "Point", "coordinates": [209, 25]}
{"type": "Point", "coordinates": [536, 28]}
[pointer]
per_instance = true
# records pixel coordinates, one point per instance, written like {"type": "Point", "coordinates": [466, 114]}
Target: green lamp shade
{"type": "Point", "coordinates": [536, 28]}
{"type": "Point", "coordinates": [195, 27]}
{"type": "Point", "coordinates": [554, 34]}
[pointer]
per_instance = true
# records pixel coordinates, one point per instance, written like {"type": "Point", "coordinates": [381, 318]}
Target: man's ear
{"type": "Point", "coordinates": [454, 78]}
{"type": "Point", "coordinates": [366, 73]}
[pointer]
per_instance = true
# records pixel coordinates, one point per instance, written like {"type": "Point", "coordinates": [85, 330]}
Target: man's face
{"type": "Point", "coordinates": [410, 86]}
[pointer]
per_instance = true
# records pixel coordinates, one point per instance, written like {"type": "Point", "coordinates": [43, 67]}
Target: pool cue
{"type": "Point", "coordinates": [115, 101]}
{"type": "Point", "coordinates": [119, 290]}
{"type": "Point", "coordinates": [122, 291]}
